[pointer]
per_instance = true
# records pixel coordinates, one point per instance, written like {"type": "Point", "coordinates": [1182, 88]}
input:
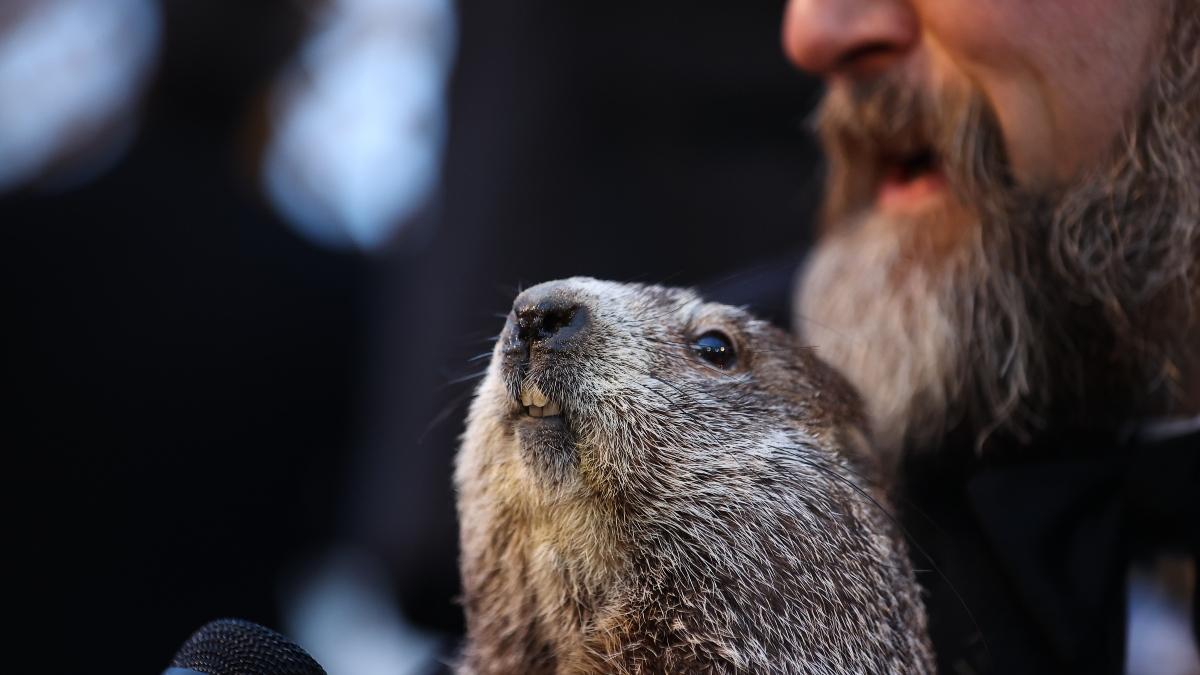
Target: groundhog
{"type": "Point", "coordinates": [649, 483]}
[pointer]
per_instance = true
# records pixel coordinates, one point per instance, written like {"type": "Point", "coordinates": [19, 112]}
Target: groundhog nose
{"type": "Point", "coordinates": [546, 314]}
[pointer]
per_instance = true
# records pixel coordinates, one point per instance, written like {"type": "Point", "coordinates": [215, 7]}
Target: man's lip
{"type": "Point", "coordinates": [900, 190]}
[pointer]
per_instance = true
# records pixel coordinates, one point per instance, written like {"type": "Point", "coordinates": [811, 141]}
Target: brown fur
{"type": "Point", "coordinates": [677, 517]}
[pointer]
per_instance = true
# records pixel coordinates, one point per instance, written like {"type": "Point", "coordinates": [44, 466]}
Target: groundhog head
{"type": "Point", "coordinates": [649, 481]}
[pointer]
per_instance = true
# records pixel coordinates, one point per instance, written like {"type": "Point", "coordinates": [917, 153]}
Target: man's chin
{"type": "Point", "coordinates": [881, 299]}
{"type": "Point", "coordinates": [923, 224]}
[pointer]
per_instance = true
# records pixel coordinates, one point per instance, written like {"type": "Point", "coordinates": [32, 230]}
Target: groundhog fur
{"type": "Point", "coordinates": [681, 513]}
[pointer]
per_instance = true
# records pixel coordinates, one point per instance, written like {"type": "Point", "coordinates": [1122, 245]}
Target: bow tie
{"type": "Point", "coordinates": [1065, 531]}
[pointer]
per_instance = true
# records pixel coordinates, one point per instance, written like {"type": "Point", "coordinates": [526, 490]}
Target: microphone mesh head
{"type": "Point", "coordinates": [237, 647]}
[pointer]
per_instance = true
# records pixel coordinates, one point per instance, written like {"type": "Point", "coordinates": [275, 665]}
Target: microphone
{"type": "Point", "coordinates": [239, 647]}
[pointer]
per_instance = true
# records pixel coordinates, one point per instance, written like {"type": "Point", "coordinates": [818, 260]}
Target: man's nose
{"type": "Point", "coordinates": [855, 38]}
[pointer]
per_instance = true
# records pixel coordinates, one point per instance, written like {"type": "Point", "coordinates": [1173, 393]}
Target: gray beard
{"type": "Point", "coordinates": [914, 338]}
{"type": "Point", "coordinates": [1073, 304]}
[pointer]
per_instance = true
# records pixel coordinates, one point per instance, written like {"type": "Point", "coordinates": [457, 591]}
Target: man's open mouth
{"type": "Point", "coordinates": [912, 166]}
{"type": "Point", "coordinates": [908, 179]}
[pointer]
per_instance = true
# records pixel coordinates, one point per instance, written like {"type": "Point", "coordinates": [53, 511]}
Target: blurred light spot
{"type": "Point", "coordinates": [70, 74]}
{"type": "Point", "coordinates": [1159, 639]}
{"type": "Point", "coordinates": [359, 122]}
{"type": "Point", "coordinates": [342, 613]}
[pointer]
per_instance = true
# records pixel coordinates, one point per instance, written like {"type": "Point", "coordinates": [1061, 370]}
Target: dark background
{"type": "Point", "coordinates": [204, 400]}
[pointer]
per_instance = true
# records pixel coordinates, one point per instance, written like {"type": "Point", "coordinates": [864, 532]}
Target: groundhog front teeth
{"type": "Point", "coordinates": [549, 410]}
{"type": "Point", "coordinates": [532, 395]}
{"type": "Point", "coordinates": [537, 404]}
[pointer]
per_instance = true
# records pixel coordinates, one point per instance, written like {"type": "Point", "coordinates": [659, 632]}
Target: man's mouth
{"type": "Point", "coordinates": [907, 182]}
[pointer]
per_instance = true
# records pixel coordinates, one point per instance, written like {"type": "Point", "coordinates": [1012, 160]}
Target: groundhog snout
{"type": "Point", "coordinates": [547, 318]}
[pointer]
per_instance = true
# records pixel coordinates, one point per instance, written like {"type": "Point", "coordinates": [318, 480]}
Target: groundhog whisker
{"type": "Point", "coordinates": [805, 318]}
{"type": "Point", "coordinates": [454, 407]}
{"type": "Point", "coordinates": [465, 378]}
{"type": "Point", "coordinates": [674, 405]}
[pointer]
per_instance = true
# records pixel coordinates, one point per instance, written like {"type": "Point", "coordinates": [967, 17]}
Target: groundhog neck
{"type": "Point", "coordinates": [573, 559]}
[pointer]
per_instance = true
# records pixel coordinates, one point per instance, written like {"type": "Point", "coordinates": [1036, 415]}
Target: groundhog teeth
{"type": "Point", "coordinates": [532, 395]}
{"type": "Point", "coordinates": [549, 410]}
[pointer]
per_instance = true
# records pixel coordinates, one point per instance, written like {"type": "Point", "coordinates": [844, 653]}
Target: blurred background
{"type": "Point", "coordinates": [251, 248]}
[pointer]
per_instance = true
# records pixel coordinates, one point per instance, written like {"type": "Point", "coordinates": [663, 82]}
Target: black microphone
{"type": "Point", "coordinates": [238, 647]}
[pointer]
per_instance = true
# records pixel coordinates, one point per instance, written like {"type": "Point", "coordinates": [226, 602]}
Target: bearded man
{"type": "Point", "coordinates": [1009, 270]}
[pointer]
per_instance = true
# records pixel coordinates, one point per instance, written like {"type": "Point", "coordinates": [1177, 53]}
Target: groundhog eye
{"type": "Point", "coordinates": [716, 348]}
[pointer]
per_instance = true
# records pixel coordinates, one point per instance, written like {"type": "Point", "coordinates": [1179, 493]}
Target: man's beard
{"type": "Point", "coordinates": [1067, 305]}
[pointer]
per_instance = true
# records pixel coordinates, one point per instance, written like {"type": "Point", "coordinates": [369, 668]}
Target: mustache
{"type": "Point", "coordinates": [865, 126]}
